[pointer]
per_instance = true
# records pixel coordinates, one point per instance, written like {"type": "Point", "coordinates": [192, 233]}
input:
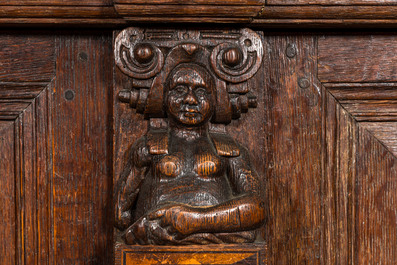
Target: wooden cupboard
{"type": "Point", "coordinates": [323, 135]}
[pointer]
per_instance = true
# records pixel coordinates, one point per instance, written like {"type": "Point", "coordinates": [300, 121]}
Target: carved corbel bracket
{"type": "Point", "coordinates": [148, 56]}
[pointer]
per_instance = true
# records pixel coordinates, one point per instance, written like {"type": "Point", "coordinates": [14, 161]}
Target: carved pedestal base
{"type": "Point", "coordinates": [245, 254]}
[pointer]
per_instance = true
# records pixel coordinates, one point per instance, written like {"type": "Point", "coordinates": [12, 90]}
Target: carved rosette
{"type": "Point", "coordinates": [148, 56]}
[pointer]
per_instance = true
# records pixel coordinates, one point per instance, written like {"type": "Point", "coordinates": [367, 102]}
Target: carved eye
{"type": "Point", "coordinates": [201, 92]}
{"type": "Point", "coordinates": [180, 89]}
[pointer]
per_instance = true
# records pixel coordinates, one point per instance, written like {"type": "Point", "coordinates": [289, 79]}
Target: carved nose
{"type": "Point", "coordinates": [190, 98]}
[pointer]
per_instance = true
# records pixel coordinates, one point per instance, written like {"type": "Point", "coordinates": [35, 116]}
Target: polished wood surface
{"type": "Point", "coordinates": [323, 135]}
{"type": "Point", "coordinates": [273, 13]}
{"type": "Point", "coordinates": [185, 183]}
{"type": "Point", "coordinates": [253, 254]}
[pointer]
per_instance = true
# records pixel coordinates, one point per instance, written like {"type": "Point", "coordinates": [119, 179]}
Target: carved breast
{"type": "Point", "coordinates": [170, 166]}
{"type": "Point", "coordinates": [205, 165]}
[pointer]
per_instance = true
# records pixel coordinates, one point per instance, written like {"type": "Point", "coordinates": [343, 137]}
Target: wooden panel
{"type": "Point", "coordinates": [33, 62]}
{"type": "Point", "coordinates": [331, 2]}
{"type": "Point", "coordinates": [29, 181]}
{"type": "Point", "coordinates": [376, 207]}
{"type": "Point", "coordinates": [360, 59]}
{"type": "Point", "coordinates": [293, 145]}
{"type": "Point", "coordinates": [82, 150]}
{"type": "Point", "coordinates": [7, 196]}
{"type": "Point", "coordinates": [27, 226]}
{"type": "Point", "coordinates": [363, 138]}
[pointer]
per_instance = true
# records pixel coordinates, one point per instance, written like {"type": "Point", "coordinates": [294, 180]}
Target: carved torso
{"type": "Point", "coordinates": [191, 173]}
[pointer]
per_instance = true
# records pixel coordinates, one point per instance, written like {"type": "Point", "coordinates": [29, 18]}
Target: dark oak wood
{"type": "Point", "coordinates": [188, 183]}
{"type": "Point", "coordinates": [82, 186]}
{"type": "Point", "coordinates": [292, 148]}
{"type": "Point", "coordinates": [361, 144]}
{"type": "Point", "coordinates": [273, 13]}
{"type": "Point", "coordinates": [332, 2]}
{"type": "Point", "coordinates": [25, 142]}
{"type": "Point", "coordinates": [365, 58]}
{"type": "Point", "coordinates": [323, 135]}
{"type": "Point", "coordinates": [253, 254]}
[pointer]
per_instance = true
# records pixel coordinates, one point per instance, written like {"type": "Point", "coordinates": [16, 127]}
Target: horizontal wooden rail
{"type": "Point", "coordinates": [275, 13]}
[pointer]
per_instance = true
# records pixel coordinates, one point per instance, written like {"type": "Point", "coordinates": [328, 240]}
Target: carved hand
{"type": "Point", "coordinates": [179, 219]}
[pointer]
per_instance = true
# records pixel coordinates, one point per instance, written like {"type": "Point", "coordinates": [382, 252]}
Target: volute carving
{"type": "Point", "coordinates": [186, 181]}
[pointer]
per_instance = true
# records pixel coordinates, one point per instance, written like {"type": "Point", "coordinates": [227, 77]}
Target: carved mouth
{"type": "Point", "coordinates": [190, 113]}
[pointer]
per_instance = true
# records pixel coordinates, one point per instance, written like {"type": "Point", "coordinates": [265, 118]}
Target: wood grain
{"type": "Point", "coordinates": [331, 2]}
{"type": "Point", "coordinates": [248, 254]}
{"type": "Point", "coordinates": [29, 180]}
{"type": "Point", "coordinates": [8, 244]}
{"type": "Point", "coordinates": [374, 105]}
{"type": "Point", "coordinates": [293, 145]}
{"type": "Point", "coordinates": [365, 58]}
{"type": "Point", "coordinates": [375, 223]}
{"type": "Point", "coordinates": [384, 132]}
{"type": "Point", "coordinates": [82, 150]}
{"type": "Point", "coordinates": [193, 2]}
{"type": "Point", "coordinates": [33, 63]}
{"type": "Point", "coordinates": [58, 12]}
{"type": "Point", "coordinates": [190, 11]}
{"type": "Point", "coordinates": [57, 2]}
{"type": "Point", "coordinates": [339, 149]}
{"type": "Point", "coordinates": [328, 12]}
{"type": "Point", "coordinates": [25, 142]}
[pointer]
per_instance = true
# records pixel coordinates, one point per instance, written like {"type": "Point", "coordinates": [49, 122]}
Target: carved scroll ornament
{"type": "Point", "coordinates": [184, 183]}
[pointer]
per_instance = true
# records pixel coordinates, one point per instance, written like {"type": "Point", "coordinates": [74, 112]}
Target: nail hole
{"type": "Point", "coordinates": [83, 56]}
{"type": "Point", "coordinates": [69, 94]}
{"type": "Point", "coordinates": [303, 83]}
{"type": "Point", "coordinates": [291, 51]}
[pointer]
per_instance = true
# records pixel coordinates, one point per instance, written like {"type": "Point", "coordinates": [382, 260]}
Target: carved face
{"type": "Point", "coordinates": [190, 95]}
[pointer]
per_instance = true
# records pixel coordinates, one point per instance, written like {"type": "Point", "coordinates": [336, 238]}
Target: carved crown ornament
{"type": "Point", "coordinates": [148, 56]}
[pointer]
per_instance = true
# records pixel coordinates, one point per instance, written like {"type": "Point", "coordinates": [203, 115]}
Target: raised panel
{"type": "Point", "coordinates": [361, 153]}
{"type": "Point", "coordinates": [27, 178]}
{"type": "Point", "coordinates": [27, 67]}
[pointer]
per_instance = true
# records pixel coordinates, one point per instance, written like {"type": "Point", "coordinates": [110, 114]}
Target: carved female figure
{"type": "Point", "coordinates": [187, 185]}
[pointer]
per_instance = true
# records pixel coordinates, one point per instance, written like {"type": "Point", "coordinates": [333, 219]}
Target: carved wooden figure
{"type": "Point", "coordinates": [186, 181]}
